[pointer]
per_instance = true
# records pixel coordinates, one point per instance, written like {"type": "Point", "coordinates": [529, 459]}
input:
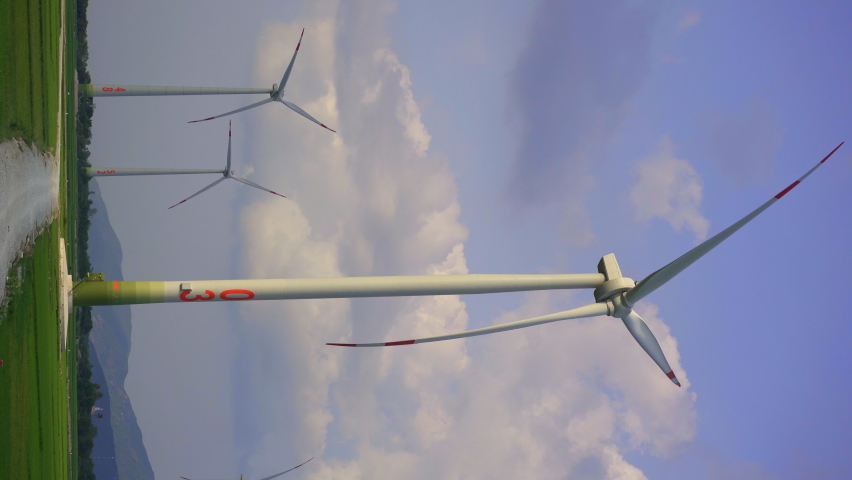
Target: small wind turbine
{"type": "Point", "coordinates": [615, 295]}
{"type": "Point", "coordinates": [276, 94]}
{"type": "Point", "coordinates": [226, 174]}
{"type": "Point", "coordinates": [243, 477]}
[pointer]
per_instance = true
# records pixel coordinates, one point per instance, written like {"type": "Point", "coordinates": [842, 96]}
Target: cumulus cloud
{"type": "Point", "coordinates": [571, 87]}
{"type": "Point", "coordinates": [670, 189]}
{"type": "Point", "coordinates": [743, 142]}
{"type": "Point", "coordinates": [557, 401]}
{"type": "Point", "coordinates": [551, 402]}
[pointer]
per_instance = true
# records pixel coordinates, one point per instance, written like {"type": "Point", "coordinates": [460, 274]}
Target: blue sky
{"type": "Point", "coordinates": [499, 138]}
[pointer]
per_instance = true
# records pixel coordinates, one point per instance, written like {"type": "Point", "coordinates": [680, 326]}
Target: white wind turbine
{"type": "Point", "coordinates": [243, 477]}
{"type": "Point", "coordinates": [276, 94]}
{"type": "Point", "coordinates": [615, 295]}
{"type": "Point", "coordinates": [226, 174]}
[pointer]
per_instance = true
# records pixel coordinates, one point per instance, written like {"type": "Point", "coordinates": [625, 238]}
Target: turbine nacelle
{"type": "Point", "coordinates": [614, 282]}
{"type": "Point", "coordinates": [612, 291]}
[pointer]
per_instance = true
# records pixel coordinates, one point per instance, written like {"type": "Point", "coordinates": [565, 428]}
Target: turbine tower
{"type": "Point", "coordinates": [276, 93]}
{"type": "Point", "coordinates": [615, 295]}
{"type": "Point", "coordinates": [226, 174]}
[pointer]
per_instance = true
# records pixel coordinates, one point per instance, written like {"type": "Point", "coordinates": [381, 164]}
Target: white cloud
{"type": "Point", "coordinates": [688, 20]}
{"type": "Point", "coordinates": [373, 200]}
{"type": "Point", "coordinates": [563, 400]}
{"type": "Point", "coordinates": [670, 189]}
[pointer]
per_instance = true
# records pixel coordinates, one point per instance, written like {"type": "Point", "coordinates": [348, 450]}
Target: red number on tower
{"type": "Point", "coordinates": [227, 295]}
{"type": "Point", "coordinates": [119, 89]}
{"type": "Point", "coordinates": [208, 295]}
{"type": "Point", "coordinates": [107, 89]}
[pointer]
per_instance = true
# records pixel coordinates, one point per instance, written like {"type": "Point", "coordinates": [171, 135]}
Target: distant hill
{"type": "Point", "coordinates": [103, 453]}
{"type": "Point", "coordinates": [110, 341]}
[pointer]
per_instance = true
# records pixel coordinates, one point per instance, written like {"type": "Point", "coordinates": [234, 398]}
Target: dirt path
{"type": "Point", "coordinates": [29, 199]}
{"type": "Point", "coordinates": [60, 135]}
{"type": "Point", "coordinates": [61, 112]}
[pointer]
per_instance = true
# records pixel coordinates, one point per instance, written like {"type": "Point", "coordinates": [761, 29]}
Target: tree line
{"type": "Point", "coordinates": [87, 392]}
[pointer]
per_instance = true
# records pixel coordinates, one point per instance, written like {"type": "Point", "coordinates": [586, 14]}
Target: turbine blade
{"type": "Point", "coordinates": [252, 184]}
{"type": "Point", "coordinates": [228, 168]}
{"type": "Point", "coordinates": [236, 111]}
{"type": "Point", "coordinates": [285, 471]}
{"type": "Point", "coordinates": [208, 187]}
{"type": "Point", "coordinates": [663, 275]}
{"type": "Point", "coordinates": [184, 478]}
{"type": "Point", "coordinates": [289, 67]}
{"type": "Point", "coordinates": [303, 113]}
{"type": "Point", "coordinates": [591, 310]}
{"type": "Point", "coordinates": [640, 331]}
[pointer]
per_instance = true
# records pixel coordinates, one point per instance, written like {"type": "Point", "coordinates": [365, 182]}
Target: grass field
{"type": "Point", "coordinates": [29, 62]}
{"type": "Point", "coordinates": [35, 431]}
{"type": "Point", "coordinates": [37, 380]}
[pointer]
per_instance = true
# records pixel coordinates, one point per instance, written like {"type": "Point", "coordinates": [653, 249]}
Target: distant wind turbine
{"type": "Point", "coordinates": [276, 94]}
{"type": "Point", "coordinates": [615, 295]}
{"type": "Point", "coordinates": [243, 477]}
{"type": "Point", "coordinates": [226, 174]}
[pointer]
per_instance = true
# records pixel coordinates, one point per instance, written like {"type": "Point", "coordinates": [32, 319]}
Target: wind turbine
{"type": "Point", "coordinates": [276, 94]}
{"type": "Point", "coordinates": [615, 295]}
{"type": "Point", "coordinates": [226, 174]}
{"type": "Point", "coordinates": [243, 477]}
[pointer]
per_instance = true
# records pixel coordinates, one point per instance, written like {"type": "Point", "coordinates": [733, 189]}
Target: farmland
{"type": "Point", "coordinates": [37, 379]}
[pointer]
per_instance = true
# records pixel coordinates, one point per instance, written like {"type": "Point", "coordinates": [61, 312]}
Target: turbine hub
{"type": "Point", "coordinates": [618, 306]}
{"type": "Point", "coordinates": [614, 283]}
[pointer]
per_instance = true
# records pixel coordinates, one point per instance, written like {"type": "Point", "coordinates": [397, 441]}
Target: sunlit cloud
{"type": "Point", "coordinates": [547, 402]}
{"type": "Point", "coordinates": [669, 188]}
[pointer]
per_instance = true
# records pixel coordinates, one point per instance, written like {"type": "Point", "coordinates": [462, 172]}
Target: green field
{"type": "Point", "coordinates": [29, 62]}
{"type": "Point", "coordinates": [37, 380]}
{"type": "Point", "coordinates": [34, 428]}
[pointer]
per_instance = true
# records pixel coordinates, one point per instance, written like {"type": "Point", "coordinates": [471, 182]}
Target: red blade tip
{"type": "Point", "coordinates": [673, 378]}
{"type": "Point", "coordinates": [832, 152]}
